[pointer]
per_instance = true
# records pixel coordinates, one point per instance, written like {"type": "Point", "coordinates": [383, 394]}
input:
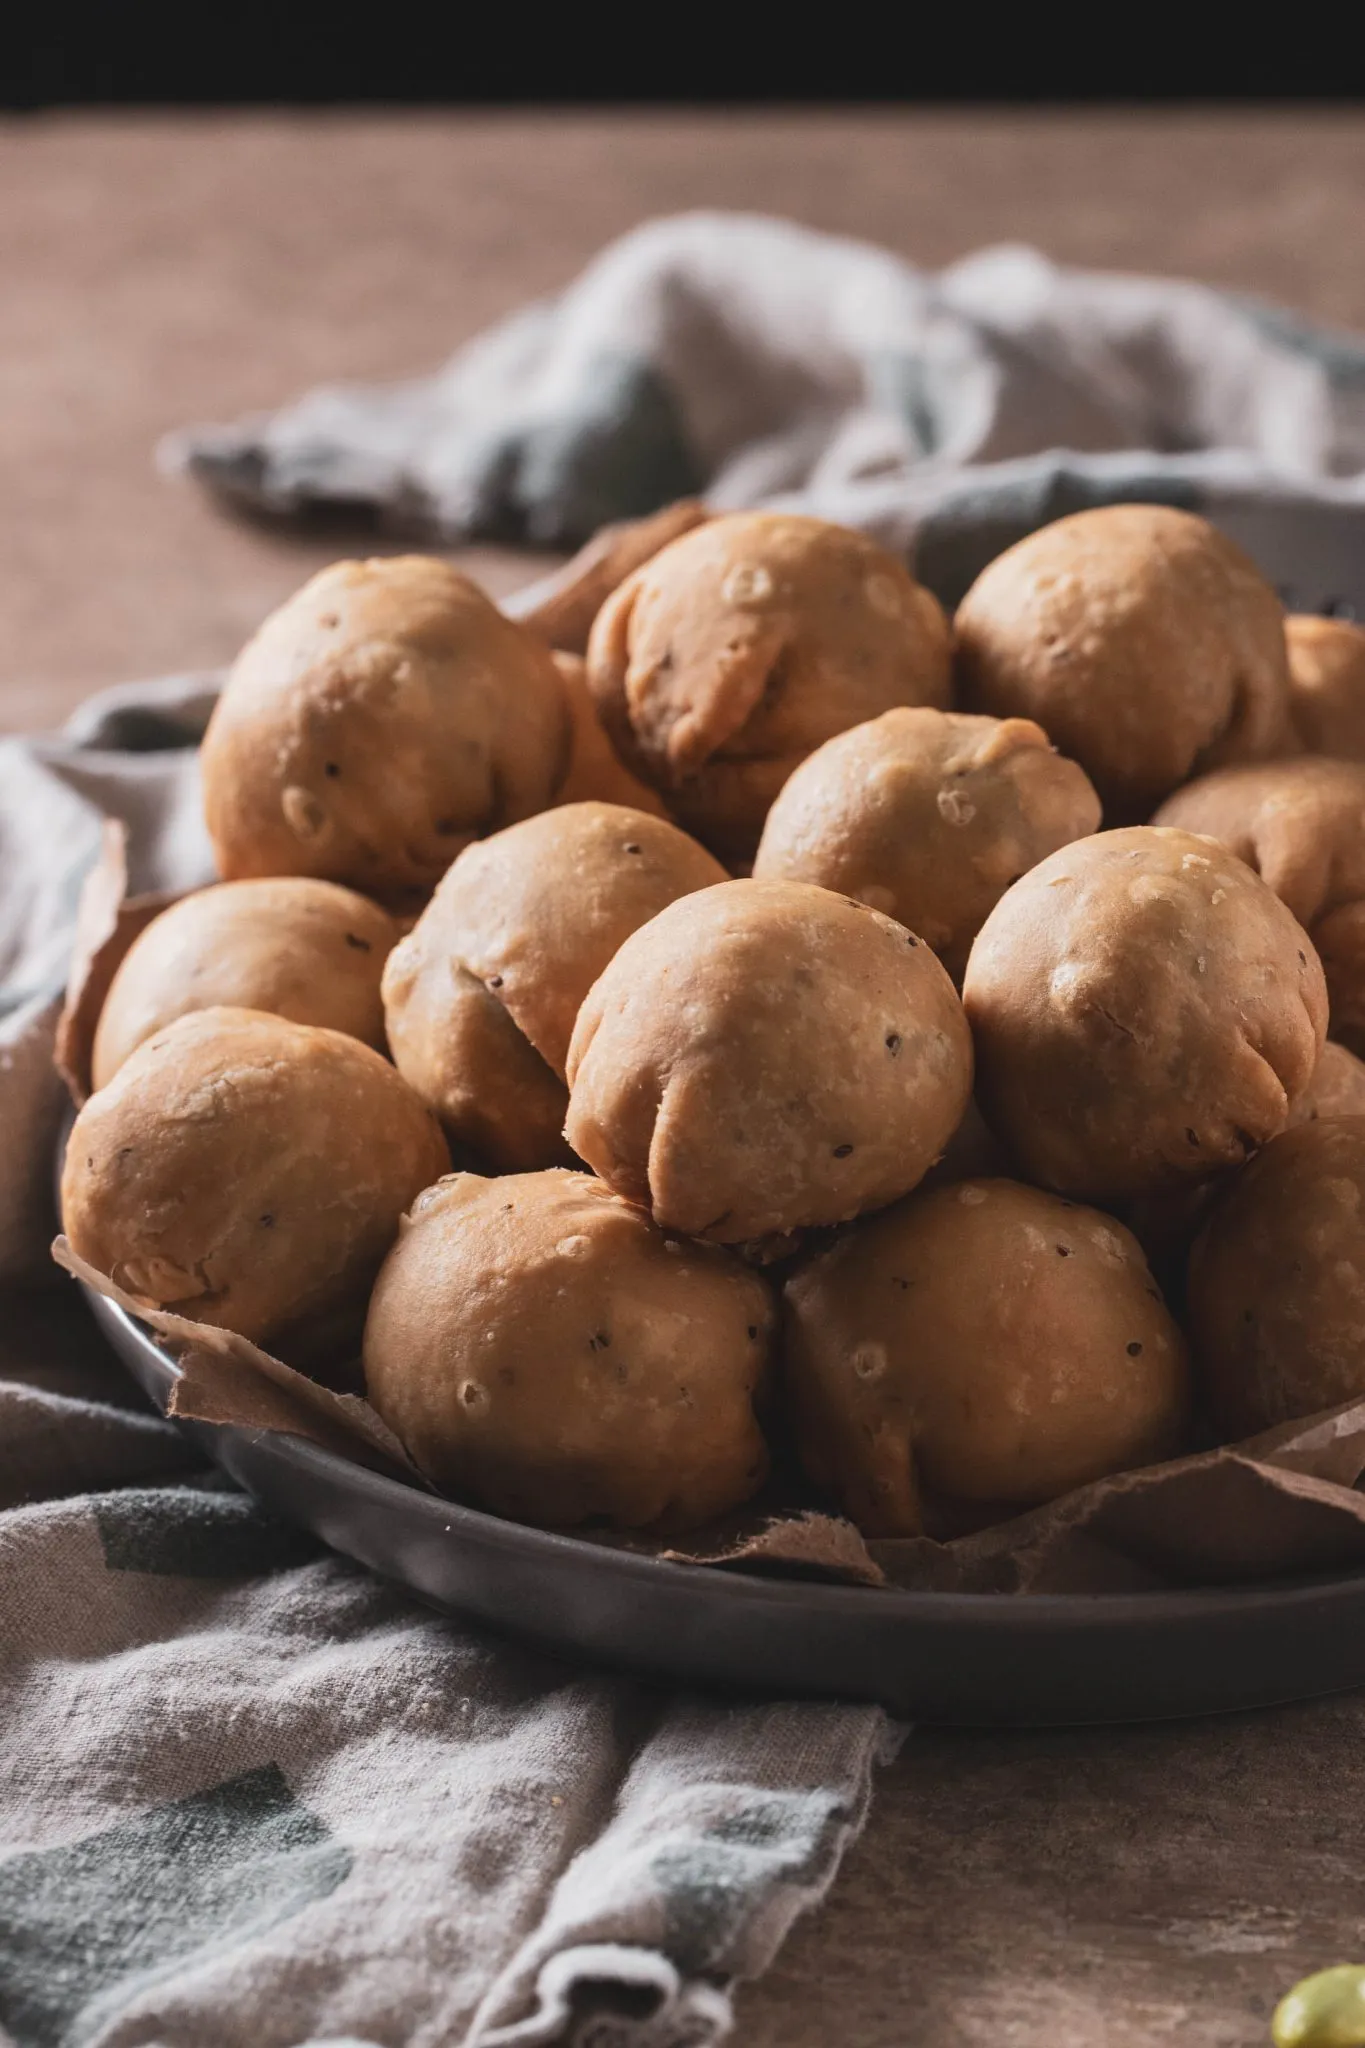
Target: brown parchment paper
{"type": "Point", "coordinates": [223, 1378]}
{"type": "Point", "coordinates": [561, 607]}
{"type": "Point", "coordinates": [108, 919]}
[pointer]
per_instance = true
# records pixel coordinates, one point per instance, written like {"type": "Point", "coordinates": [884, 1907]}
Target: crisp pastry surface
{"type": "Point", "coordinates": [1327, 684]}
{"type": "Point", "coordinates": [745, 644]}
{"type": "Point", "coordinates": [766, 1056]}
{"type": "Point", "coordinates": [1301, 824]}
{"type": "Point", "coordinates": [1147, 646]}
{"type": "Point", "coordinates": [929, 816]}
{"type": "Point", "coordinates": [381, 719]}
{"type": "Point", "coordinates": [982, 1344]}
{"type": "Point", "coordinates": [291, 945]}
{"type": "Point", "coordinates": [1145, 1011]}
{"type": "Point", "coordinates": [251, 1173]}
{"type": "Point", "coordinates": [1277, 1281]}
{"type": "Point", "coordinates": [481, 996]}
{"type": "Point", "coordinates": [545, 1352]}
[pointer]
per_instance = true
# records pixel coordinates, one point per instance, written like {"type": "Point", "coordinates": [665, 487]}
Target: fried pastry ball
{"type": "Point", "coordinates": [1146, 1012]}
{"type": "Point", "coordinates": [1327, 685]}
{"type": "Point", "coordinates": [1146, 645]}
{"type": "Point", "coordinates": [1166, 1224]}
{"type": "Point", "coordinates": [1336, 1089]}
{"type": "Point", "coordinates": [764, 1056]}
{"type": "Point", "coordinates": [544, 1352]}
{"type": "Point", "coordinates": [459, 1051]}
{"type": "Point", "coordinates": [523, 924]}
{"type": "Point", "coordinates": [380, 720]}
{"type": "Point", "coordinates": [1301, 825]}
{"type": "Point", "coordinates": [594, 774]}
{"type": "Point", "coordinates": [1277, 1282]}
{"type": "Point", "coordinates": [981, 1348]}
{"type": "Point", "coordinates": [722, 663]}
{"type": "Point", "coordinates": [299, 948]}
{"type": "Point", "coordinates": [929, 816]}
{"type": "Point", "coordinates": [249, 1172]}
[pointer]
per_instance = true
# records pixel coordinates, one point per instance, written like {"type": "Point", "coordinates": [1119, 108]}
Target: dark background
{"type": "Point", "coordinates": [102, 54]}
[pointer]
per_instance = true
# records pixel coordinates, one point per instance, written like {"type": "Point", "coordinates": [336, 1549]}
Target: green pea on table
{"type": "Point", "coordinates": [1323, 2011]}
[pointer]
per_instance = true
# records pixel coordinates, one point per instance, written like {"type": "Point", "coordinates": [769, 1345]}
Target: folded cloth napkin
{"type": "Point", "coordinates": [758, 362]}
{"type": "Point", "coordinates": [251, 1796]}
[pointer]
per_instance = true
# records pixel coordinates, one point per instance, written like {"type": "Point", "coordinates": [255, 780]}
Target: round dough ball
{"type": "Point", "coordinates": [249, 1172]}
{"type": "Point", "coordinates": [537, 911]}
{"type": "Point", "coordinates": [594, 773]}
{"type": "Point", "coordinates": [1301, 825]}
{"type": "Point", "coordinates": [1277, 1282]}
{"type": "Point", "coordinates": [1336, 1089]}
{"type": "Point", "coordinates": [293, 946]}
{"type": "Point", "coordinates": [545, 1353]}
{"type": "Point", "coordinates": [381, 719]}
{"type": "Point", "coordinates": [765, 1056]}
{"type": "Point", "coordinates": [929, 816]}
{"type": "Point", "coordinates": [1146, 1012]}
{"type": "Point", "coordinates": [459, 1051]}
{"type": "Point", "coordinates": [523, 924]}
{"type": "Point", "coordinates": [1144, 642]}
{"type": "Point", "coordinates": [740, 647]}
{"type": "Point", "coordinates": [1167, 1224]}
{"type": "Point", "coordinates": [1340, 940]}
{"type": "Point", "coordinates": [1327, 685]}
{"type": "Point", "coordinates": [981, 1348]}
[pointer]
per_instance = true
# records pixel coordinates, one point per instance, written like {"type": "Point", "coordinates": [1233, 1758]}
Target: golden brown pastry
{"type": "Point", "coordinates": [1145, 643]}
{"type": "Point", "coordinates": [299, 948]}
{"type": "Point", "coordinates": [525, 922]}
{"type": "Point", "coordinates": [380, 720]}
{"type": "Point", "coordinates": [1336, 1089]}
{"type": "Point", "coordinates": [976, 1350]}
{"type": "Point", "coordinates": [250, 1173]}
{"type": "Point", "coordinates": [594, 774]}
{"type": "Point", "coordinates": [1146, 1012]}
{"type": "Point", "coordinates": [1340, 940]}
{"type": "Point", "coordinates": [929, 816]}
{"type": "Point", "coordinates": [1277, 1282]}
{"type": "Point", "coordinates": [1327, 685]}
{"type": "Point", "coordinates": [544, 1352]}
{"type": "Point", "coordinates": [1301, 825]}
{"type": "Point", "coordinates": [1166, 1224]}
{"type": "Point", "coordinates": [457, 1048]}
{"type": "Point", "coordinates": [765, 1056]}
{"type": "Point", "coordinates": [742, 646]}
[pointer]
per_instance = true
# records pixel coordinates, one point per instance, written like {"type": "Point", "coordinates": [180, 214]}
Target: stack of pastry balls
{"type": "Point", "coordinates": [747, 1033]}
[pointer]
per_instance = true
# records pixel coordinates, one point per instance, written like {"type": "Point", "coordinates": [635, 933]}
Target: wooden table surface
{"type": "Point", "coordinates": [1105, 1889]}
